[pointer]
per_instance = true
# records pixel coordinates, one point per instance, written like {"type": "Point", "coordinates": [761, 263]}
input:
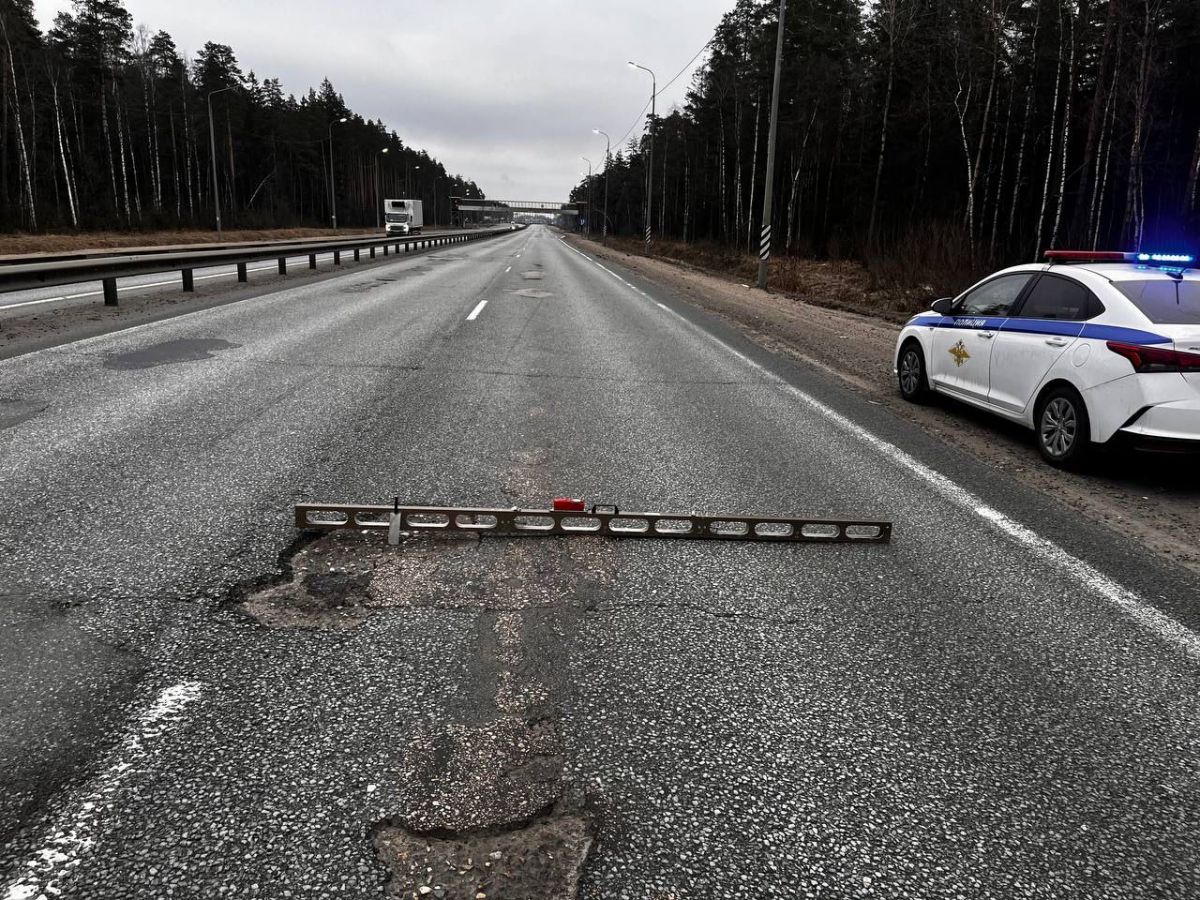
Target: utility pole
{"type": "Point", "coordinates": [650, 153]}
{"type": "Point", "coordinates": [332, 196]}
{"type": "Point", "coordinates": [607, 160]}
{"type": "Point", "coordinates": [212, 143]}
{"type": "Point", "coordinates": [764, 246]}
{"type": "Point", "coordinates": [589, 196]}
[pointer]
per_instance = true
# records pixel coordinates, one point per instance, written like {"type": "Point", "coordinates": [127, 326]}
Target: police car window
{"type": "Point", "coordinates": [1056, 298]}
{"type": "Point", "coordinates": [995, 297]}
{"type": "Point", "coordinates": [1164, 301]}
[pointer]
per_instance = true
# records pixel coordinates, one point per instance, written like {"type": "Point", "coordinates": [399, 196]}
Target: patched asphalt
{"type": "Point", "coordinates": [949, 715]}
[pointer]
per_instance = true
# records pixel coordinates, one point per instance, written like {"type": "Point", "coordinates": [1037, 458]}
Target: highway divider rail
{"type": "Point", "coordinates": [20, 274]}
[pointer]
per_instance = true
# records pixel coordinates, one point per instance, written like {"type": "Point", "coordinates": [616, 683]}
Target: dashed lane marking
{"type": "Point", "coordinates": [476, 311]}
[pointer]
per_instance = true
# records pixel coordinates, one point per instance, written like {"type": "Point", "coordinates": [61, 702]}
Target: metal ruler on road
{"type": "Point", "coordinates": [568, 516]}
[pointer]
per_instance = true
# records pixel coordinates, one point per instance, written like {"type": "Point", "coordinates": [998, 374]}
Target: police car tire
{"type": "Point", "coordinates": [917, 392]}
{"type": "Point", "coordinates": [1063, 403]}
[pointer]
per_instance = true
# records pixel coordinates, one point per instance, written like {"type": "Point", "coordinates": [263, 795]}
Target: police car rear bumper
{"type": "Point", "coordinates": [1177, 422]}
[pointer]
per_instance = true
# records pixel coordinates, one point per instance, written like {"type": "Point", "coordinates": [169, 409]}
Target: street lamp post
{"type": "Point", "coordinates": [764, 246]}
{"type": "Point", "coordinates": [212, 142]}
{"type": "Point", "coordinates": [650, 153]}
{"type": "Point", "coordinates": [589, 195]}
{"type": "Point", "coordinates": [332, 194]}
{"type": "Point", "coordinates": [379, 188]}
{"type": "Point", "coordinates": [607, 160]}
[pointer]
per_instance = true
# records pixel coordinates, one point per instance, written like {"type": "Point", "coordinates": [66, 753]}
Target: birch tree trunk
{"type": "Point", "coordinates": [22, 154]}
{"type": "Point", "coordinates": [1016, 191]}
{"type": "Point", "coordinates": [1066, 137]}
{"type": "Point", "coordinates": [753, 175]}
{"type": "Point", "coordinates": [62, 155]}
{"type": "Point", "coordinates": [1041, 221]}
{"type": "Point", "coordinates": [1135, 211]}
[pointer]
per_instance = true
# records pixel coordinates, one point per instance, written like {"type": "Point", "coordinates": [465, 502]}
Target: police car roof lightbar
{"type": "Point", "coordinates": [570, 517]}
{"type": "Point", "coordinates": [1088, 256]}
{"type": "Point", "coordinates": [1095, 256]}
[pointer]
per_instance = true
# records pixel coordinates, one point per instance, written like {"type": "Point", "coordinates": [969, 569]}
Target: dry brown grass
{"type": "Point", "coordinates": [20, 244]}
{"type": "Point", "coordinates": [891, 286]}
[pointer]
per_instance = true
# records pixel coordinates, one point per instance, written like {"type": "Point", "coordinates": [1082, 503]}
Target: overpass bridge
{"type": "Point", "coordinates": [466, 211]}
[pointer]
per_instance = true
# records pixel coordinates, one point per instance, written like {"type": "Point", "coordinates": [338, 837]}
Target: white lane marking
{"type": "Point", "coordinates": [1134, 606]}
{"type": "Point", "coordinates": [509, 269]}
{"type": "Point", "coordinates": [74, 832]}
{"type": "Point", "coordinates": [132, 287]}
{"type": "Point", "coordinates": [476, 311]}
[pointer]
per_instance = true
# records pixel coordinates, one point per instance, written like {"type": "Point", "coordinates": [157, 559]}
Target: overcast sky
{"type": "Point", "coordinates": [503, 92]}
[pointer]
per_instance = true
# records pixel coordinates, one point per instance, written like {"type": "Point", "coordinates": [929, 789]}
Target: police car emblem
{"type": "Point", "coordinates": [960, 354]}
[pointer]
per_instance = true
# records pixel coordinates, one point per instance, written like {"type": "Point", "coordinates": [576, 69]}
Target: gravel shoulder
{"type": "Point", "coordinates": [1152, 498]}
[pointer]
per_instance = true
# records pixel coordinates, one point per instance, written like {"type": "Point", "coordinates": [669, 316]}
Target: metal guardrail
{"type": "Point", "coordinates": [107, 269]}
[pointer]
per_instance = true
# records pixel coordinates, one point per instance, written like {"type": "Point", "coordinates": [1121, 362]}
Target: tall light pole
{"type": "Point", "coordinates": [212, 143]}
{"type": "Point", "coordinates": [650, 154]}
{"type": "Point", "coordinates": [379, 188]}
{"type": "Point", "coordinates": [764, 245]}
{"type": "Point", "coordinates": [332, 195]}
{"type": "Point", "coordinates": [589, 199]}
{"type": "Point", "coordinates": [607, 160]}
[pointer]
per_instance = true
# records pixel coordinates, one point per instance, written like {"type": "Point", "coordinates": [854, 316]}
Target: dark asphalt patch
{"type": "Point", "coordinates": [14, 412]}
{"type": "Point", "coordinates": [168, 352]}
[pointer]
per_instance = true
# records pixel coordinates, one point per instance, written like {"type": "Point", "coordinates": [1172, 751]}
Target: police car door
{"type": "Point", "coordinates": [962, 342]}
{"type": "Point", "coordinates": [1045, 325]}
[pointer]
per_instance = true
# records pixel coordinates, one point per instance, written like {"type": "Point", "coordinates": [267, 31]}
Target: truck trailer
{"type": "Point", "coordinates": [403, 216]}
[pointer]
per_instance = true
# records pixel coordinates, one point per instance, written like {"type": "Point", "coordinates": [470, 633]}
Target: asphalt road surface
{"type": "Point", "coordinates": [1003, 702]}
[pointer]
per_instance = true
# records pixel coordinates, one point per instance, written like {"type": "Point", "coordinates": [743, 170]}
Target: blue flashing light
{"type": "Point", "coordinates": [1166, 258]}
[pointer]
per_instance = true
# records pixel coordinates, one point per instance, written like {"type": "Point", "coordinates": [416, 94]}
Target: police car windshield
{"type": "Point", "coordinates": [1164, 301]}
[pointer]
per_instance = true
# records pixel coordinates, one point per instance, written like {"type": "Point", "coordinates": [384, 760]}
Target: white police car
{"type": "Point", "coordinates": [1084, 348]}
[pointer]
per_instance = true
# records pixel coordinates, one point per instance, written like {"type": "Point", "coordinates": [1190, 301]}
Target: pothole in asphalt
{"type": "Point", "coordinates": [539, 858]}
{"type": "Point", "coordinates": [446, 258]}
{"type": "Point", "coordinates": [532, 293]}
{"type": "Point", "coordinates": [184, 350]}
{"type": "Point", "coordinates": [533, 276]}
{"type": "Point", "coordinates": [360, 288]}
{"type": "Point", "coordinates": [339, 580]}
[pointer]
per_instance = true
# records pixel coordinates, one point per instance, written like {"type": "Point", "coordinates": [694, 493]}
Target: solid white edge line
{"type": "Point", "coordinates": [1138, 609]}
{"type": "Point", "coordinates": [73, 832]}
{"type": "Point", "coordinates": [477, 310]}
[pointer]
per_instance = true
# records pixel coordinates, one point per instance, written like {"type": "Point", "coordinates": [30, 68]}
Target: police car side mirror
{"type": "Point", "coordinates": [942, 307]}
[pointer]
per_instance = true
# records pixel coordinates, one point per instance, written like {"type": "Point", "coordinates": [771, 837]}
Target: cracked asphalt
{"type": "Point", "coordinates": [1003, 702]}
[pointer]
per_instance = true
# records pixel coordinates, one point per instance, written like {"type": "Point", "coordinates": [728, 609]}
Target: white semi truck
{"type": "Point", "coordinates": [403, 216]}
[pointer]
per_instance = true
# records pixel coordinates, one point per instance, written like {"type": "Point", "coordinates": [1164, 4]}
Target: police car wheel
{"type": "Point", "coordinates": [910, 371]}
{"type": "Point", "coordinates": [1063, 432]}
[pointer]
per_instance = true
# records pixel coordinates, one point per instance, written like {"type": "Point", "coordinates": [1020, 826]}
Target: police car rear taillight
{"type": "Point", "coordinates": [1156, 359]}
